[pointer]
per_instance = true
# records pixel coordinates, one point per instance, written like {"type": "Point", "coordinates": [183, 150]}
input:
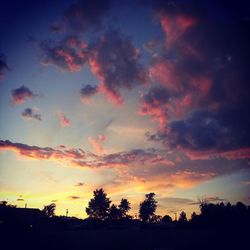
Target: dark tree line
{"type": "Point", "coordinates": [100, 208]}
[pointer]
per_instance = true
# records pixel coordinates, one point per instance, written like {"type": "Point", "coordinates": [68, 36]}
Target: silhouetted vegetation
{"type": "Point", "coordinates": [99, 206]}
{"type": "Point", "coordinates": [147, 208]}
{"type": "Point", "coordinates": [221, 226]}
{"type": "Point", "coordinates": [49, 210]}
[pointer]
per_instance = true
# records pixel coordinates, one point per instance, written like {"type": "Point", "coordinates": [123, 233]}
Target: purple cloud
{"type": "Point", "coordinates": [21, 94]}
{"type": "Point", "coordinates": [115, 62]}
{"type": "Point", "coordinates": [3, 65]}
{"type": "Point", "coordinates": [69, 54]}
{"type": "Point", "coordinates": [87, 92]}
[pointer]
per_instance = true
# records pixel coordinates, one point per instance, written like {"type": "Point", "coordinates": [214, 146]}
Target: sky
{"type": "Point", "coordinates": [130, 96]}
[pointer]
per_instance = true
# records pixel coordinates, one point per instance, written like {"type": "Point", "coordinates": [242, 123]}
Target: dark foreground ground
{"type": "Point", "coordinates": [144, 239]}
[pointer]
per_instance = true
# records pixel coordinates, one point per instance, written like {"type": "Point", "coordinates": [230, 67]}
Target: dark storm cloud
{"type": "Point", "coordinates": [29, 113]}
{"type": "Point", "coordinates": [157, 96]}
{"type": "Point", "coordinates": [21, 94]}
{"type": "Point", "coordinates": [115, 62]}
{"type": "Point", "coordinates": [87, 91]}
{"type": "Point", "coordinates": [224, 130]}
{"type": "Point", "coordinates": [3, 65]}
{"type": "Point", "coordinates": [83, 15]}
{"type": "Point", "coordinates": [204, 65]}
{"type": "Point", "coordinates": [68, 54]}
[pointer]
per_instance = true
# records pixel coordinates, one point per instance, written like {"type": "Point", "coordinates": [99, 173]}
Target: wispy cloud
{"type": "Point", "coordinates": [97, 144]}
{"type": "Point", "coordinates": [87, 92]}
{"type": "Point", "coordinates": [64, 121]}
{"type": "Point", "coordinates": [76, 19]}
{"type": "Point", "coordinates": [3, 65]}
{"type": "Point", "coordinates": [30, 114]}
{"type": "Point", "coordinates": [79, 184]}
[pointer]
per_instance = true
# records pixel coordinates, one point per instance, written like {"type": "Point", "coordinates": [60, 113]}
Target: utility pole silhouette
{"type": "Point", "coordinates": [67, 212]}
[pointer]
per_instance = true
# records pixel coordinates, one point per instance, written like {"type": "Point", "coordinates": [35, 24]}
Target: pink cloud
{"type": "Point", "coordinates": [175, 25]}
{"type": "Point", "coordinates": [115, 62]}
{"type": "Point", "coordinates": [64, 121]}
{"type": "Point", "coordinates": [69, 54]}
{"type": "Point", "coordinates": [97, 144]}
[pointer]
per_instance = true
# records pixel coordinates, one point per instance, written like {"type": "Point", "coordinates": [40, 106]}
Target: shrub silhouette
{"type": "Point", "coordinates": [166, 219]}
{"type": "Point", "coordinates": [49, 210]}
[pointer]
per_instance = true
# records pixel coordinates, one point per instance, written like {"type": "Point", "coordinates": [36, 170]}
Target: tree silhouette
{"type": "Point", "coordinates": [182, 217]}
{"type": "Point", "coordinates": [193, 215]}
{"type": "Point", "coordinates": [124, 207]}
{"type": "Point", "coordinates": [115, 213]}
{"type": "Point", "coordinates": [166, 219]}
{"type": "Point", "coordinates": [5, 204]}
{"type": "Point", "coordinates": [98, 207]}
{"type": "Point", "coordinates": [148, 207]}
{"type": "Point", "coordinates": [49, 210]}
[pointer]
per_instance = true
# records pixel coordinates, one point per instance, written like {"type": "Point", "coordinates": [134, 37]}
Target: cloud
{"type": "Point", "coordinates": [156, 103]}
{"type": "Point", "coordinates": [69, 54]}
{"type": "Point", "coordinates": [84, 16]}
{"type": "Point", "coordinates": [97, 144]}
{"type": "Point", "coordinates": [145, 168]}
{"type": "Point", "coordinates": [222, 131]}
{"type": "Point", "coordinates": [3, 65]}
{"type": "Point", "coordinates": [73, 197]}
{"type": "Point", "coordinates": [214, 199]}
{"type": "Point", "coordinates": [35, 152]}
{"type": "Point", "coordinates": [87, 92]}
{"type": "Point", "coordinates": [64, 121]}
{"type": "Point", "coordinates": [175, 201]}
{"type": "Point", "coordinates": [112, 59]}
{"type": "Point", "coordinates": [29, 113]}
{"type": "Point", "coordinates": [79, 184]}
{"type": "Point", "coordinates": [115, 62]}
{"type": "Point", "coordinates": [20, 199]}
{"type": "Point", "coordinates": [79, 157]}
{"type": "Point", "coordinates": [204, 108]}
{"type": "Point", "coordinates": [21, 94]}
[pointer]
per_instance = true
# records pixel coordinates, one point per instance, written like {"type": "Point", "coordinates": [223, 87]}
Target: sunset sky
{"type": "Point", "coordinates": [131, 96]}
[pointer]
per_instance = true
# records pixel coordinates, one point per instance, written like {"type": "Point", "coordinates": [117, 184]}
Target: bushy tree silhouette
{"type": "Point", "coordinates": [124, 207]}
{"type": "Point", "coordinates": [49, 210]}
{"type": "Point", "coordinates": [115, 213]}
{"type": "Point", "coordinates": [148, 207]}
{"type": "Point", "coordinates": [182, 217]}
{"type": "Point", "coordinates": [193, 216]}
{"type": "Point", "coordinates": [166, 219]}
{"type": "Point", "coordinates": [98, 207]}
